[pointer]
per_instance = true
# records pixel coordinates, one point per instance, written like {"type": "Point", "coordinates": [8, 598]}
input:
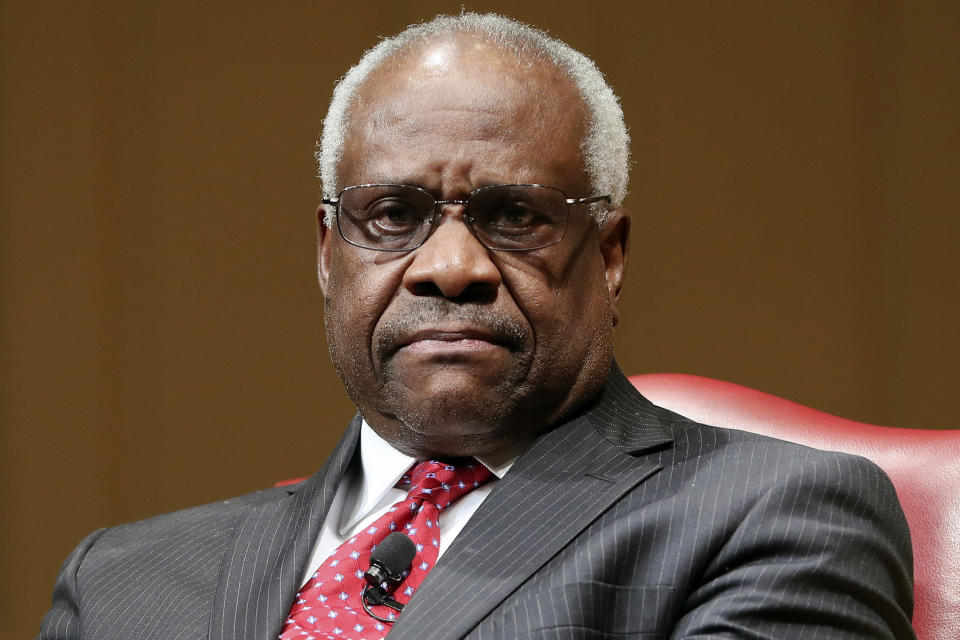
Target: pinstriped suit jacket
{"type": "Point", "coordinates": [626, 521]}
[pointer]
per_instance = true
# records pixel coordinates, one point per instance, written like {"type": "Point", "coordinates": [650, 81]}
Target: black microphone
{"type": "Point", "coordinates": [388, 561]}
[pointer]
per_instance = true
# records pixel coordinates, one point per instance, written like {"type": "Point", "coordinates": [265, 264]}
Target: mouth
{"type": "Point", "coordinates": [433, 327]}
{"type": "Point", "coordinates": [450, 339]}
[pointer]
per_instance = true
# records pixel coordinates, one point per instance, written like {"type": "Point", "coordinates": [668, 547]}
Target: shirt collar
{"type": "Point", "coordinates": [382, 466]}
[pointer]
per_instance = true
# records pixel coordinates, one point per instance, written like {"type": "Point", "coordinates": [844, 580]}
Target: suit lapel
{"type": "Point", "coordinates": [563, 483]}
{"type": "Point", "coordinates": [262, 567]}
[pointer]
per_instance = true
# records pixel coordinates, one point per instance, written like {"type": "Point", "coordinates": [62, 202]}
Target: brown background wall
{"type": "Point", "coordinates": [795, 196]}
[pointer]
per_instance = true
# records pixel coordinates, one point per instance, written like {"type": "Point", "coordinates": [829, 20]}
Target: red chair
{"type": "Point", "coordinates": [923, 464]}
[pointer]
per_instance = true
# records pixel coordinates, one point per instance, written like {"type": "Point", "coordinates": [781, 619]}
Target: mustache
{"type": "Point", "coordinates": [432, 312]}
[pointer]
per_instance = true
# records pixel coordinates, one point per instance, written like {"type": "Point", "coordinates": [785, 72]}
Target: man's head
{"type": "Point", "coordinates": [454, 347]}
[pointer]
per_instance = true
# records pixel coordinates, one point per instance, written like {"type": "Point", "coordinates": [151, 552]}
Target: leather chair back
{"type": "Point", "coordinates": [924, 465]}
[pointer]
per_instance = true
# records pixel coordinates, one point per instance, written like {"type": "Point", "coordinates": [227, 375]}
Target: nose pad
{"type": "Point", "coordinates": [452, 263]}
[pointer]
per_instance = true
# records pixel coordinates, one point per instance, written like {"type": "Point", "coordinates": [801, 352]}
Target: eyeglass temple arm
{"type": "Point", "coordinates": [588, 200]}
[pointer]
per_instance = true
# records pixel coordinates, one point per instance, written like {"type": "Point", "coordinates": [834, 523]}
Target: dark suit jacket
{"type": "Point", "coordinates": [626, 521]}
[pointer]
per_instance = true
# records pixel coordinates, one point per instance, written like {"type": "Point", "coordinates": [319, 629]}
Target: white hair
{"type": "Point", "coordinates": [606, 144]}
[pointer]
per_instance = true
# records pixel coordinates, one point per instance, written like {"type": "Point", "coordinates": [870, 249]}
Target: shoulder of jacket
{"type": "Point", "coordinates": [213, 517]}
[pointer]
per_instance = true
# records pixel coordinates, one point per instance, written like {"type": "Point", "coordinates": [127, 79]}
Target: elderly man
{"type": "Point", "coordinates": [471, 253]}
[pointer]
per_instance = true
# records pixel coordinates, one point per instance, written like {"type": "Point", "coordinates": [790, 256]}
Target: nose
{"type": "Point", "coordinates": [452, 263]}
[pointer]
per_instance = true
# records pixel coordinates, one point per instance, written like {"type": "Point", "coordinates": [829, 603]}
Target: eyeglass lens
{"type": "Point", "coordinates": [400, 217]}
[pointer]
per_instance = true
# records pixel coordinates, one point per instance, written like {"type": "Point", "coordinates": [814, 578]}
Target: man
{"type": "Point", "coordinates": [471, 254]}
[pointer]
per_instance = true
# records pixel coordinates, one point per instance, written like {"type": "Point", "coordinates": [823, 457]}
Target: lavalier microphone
{"type": "Point", "coordinates": [388, 562]}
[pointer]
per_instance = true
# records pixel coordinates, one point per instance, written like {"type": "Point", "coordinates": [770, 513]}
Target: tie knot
{"type": "Point", "coordinates": [440, 483]}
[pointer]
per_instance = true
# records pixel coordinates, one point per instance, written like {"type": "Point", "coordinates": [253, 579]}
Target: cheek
{"type": "Point", "coordinates": [567, 306]}
{"type": "Point", "coordinates": [358, 291]}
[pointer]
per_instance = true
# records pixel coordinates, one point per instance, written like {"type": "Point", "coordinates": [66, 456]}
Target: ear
{"type": "Point", "coordinates": [324, 248]}
{"type": "Point", "coordinates": [615, 249]}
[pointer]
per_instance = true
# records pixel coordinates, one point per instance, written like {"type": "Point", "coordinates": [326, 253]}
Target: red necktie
{"type": "Point", "coordinates": [329, 605]}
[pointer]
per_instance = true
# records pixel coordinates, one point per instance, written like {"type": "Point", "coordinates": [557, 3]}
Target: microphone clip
{"type": "Point", "coordinates": [377, 595]}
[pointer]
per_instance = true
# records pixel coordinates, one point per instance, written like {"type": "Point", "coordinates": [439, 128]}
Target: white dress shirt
{"type": "Point", "coordinates": [368, 490]}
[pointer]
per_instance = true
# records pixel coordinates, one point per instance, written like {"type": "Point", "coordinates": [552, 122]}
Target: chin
{"type": "Point", "coordinates": [444, 416]}
{"type": "Point", "coordinates": [452, 398]}
{"type": "Point", "coordinates": [449, 425]}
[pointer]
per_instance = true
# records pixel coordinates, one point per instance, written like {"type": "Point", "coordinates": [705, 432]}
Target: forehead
{"type": "Point", "coordinates": [470, 106]}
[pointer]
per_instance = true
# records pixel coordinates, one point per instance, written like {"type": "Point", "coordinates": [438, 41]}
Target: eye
{"type": "Point", "coordinates": [515, 218]}
{"type": "Point", "coordinates": [392, 216]}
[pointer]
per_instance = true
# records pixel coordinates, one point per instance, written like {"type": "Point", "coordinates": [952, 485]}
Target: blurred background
{"type": "Point", "coordinates": [795, 195]}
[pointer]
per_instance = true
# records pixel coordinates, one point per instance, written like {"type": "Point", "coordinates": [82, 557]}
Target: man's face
{"type": "Point", "coordinates": [453, 348]}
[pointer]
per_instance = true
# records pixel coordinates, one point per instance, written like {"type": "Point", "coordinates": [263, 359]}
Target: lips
{"type": "Point", "coordinates": [448, 328]}
{"type": "Point", "coordinates": [450, 335]}
{"type": "Point", "coordinates": [450, 340]}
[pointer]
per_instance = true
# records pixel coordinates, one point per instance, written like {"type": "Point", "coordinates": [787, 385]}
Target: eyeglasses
{"type": "Point", "coordinates": [505, 217]}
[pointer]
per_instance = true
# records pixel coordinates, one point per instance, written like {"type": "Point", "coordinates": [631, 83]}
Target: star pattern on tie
{"type": "Point", "coordinates": [329, 606]}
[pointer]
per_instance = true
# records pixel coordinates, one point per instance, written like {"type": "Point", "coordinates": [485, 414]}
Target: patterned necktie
{"type": "Point", "coordinates": [329, 605]}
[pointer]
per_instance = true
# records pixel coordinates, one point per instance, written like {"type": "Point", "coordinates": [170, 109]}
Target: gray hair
{"type": "Point", "coordinates": [606, 144]}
